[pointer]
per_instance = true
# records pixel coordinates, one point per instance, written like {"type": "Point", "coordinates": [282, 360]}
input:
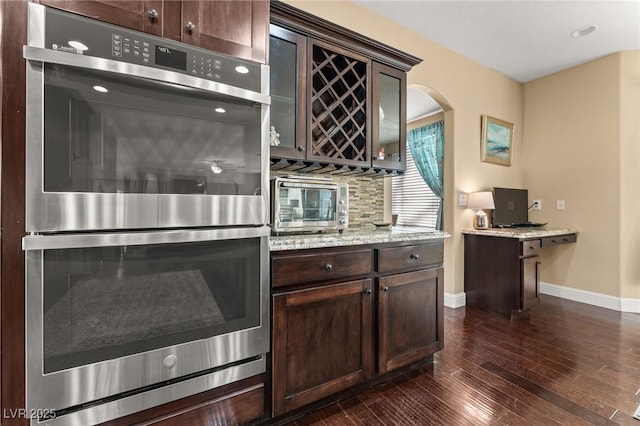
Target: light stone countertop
{"type": "Point", "coordinates": [353, 237]}
{"type": "Point", "coordinates": [521, 233]}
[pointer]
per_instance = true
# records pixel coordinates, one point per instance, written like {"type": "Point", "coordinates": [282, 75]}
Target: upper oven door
{"type": "Point", "coordinates": [117, 145]}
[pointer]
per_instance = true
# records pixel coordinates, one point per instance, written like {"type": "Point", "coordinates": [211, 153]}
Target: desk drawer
{"type": "Point", "coordinates": [530, 248]}
{"type": "Point", "coordinates": [559, 239]}
{"type": "Point", "coordinates": [305, 268]}
{"type": "Point", "coordinates": [418, 255]}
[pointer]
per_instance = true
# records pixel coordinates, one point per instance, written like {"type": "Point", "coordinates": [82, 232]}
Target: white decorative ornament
{"type": "Point", "coordinates": [275, 136]}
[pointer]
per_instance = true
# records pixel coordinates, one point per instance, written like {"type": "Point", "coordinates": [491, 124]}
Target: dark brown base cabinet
{"type": "Point", "coordinates": [410, 317]}
{"type": "Point", "coordinates": [322, 342]}
{"type": "Point", "coordinates": [502, 274]}
{"type": "Point", "coordinates": [339, 313]}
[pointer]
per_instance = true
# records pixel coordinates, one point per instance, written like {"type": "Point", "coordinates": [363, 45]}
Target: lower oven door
{"type": "Point", "coordinates": [109, 314]}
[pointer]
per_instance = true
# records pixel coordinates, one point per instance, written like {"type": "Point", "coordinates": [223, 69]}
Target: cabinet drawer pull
{"type": "Point", "coordinates": [385, 288]}
{"type": "Point", "coordinates": [191, 27]}
{"type": "Point", "coordinates": [554, 241]}
{"type": "Point", "coordinates": [414, 256]}
{"type": "Point", "coordinates": [565, 239]}
{"type": "Point", "coordinates": [532, 247]}
{"type": "Point", "coordinates": [328, 267]}
{"type": "Point", "coordinates": [152, 14]}
{"type": "Point", "coordinates": [367, 291]}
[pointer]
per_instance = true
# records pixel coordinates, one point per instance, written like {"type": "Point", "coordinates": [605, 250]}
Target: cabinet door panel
{"type": "Point", "coordinates": [530, 282]}
{"type": "Point", "coordinates": [410, 317]}
{"type": "Point", "coordinates": [288, 76]}
{"type": "Point", "coordinates": [321, 343]}
{"type": "Point", "coordinates": [131, 14]}
{"type": "Point", "coordinates": [237, 28]}
{"type": "Point", "coordinates": [389, 117]}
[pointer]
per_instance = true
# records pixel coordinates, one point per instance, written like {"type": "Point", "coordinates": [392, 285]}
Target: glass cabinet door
{"type": "Point", "coordinates": [287, 56]}
{"type": "Point", "coordinates": [389, 117]}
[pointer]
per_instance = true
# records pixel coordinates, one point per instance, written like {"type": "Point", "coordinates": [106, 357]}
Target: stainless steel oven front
{"type": "Point", "coordinates": [129, 131]}
{"type": "Point", "coordinates": [119, 322]}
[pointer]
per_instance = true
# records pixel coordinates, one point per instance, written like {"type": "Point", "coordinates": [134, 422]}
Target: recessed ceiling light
{"type": "Point", "coordinates": [100, 89]}
{"type": "Point", "coordinates": [220, 110]}
{"type": "Point", "coordinates": [584, 31]}
{"type": "Point", "coordinates": [78, 46]}
{"type": "Point", "coordinates": [242, 69]}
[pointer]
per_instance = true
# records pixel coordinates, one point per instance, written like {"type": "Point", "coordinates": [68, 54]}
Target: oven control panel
{"type": "Point", "coordinates": [84, 36]}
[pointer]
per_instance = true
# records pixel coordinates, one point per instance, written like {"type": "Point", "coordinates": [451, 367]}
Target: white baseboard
{"type": "Point", "coordinates": [455, 300]}
{"type": "Point", "coordinates": [621, 304]}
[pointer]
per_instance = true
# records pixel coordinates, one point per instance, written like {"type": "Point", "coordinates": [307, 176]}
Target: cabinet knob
{"type": "Point", "coordinates": [534, 247]}
{"type": "Point", "coordinates": [414, 256]}
{"type": "Point", "coordinates": [152, 14]}
{"type": "Point", "coordinates": [385, 288]}
{"type": "Point", "coordinates": [328, 267]}
{"type": "Point", "coordinates": [301, 148]}
{"type": "Point", "coordinates": [367, 291]}
{"type": "Point", "coordinates": [191, 27]}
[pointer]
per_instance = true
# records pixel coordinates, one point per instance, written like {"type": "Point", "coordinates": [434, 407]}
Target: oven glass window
{"type": "Point", "coordinates": [109, 302]}
{"type": "Point", "coordinates": [109, 133]}
{"type": "Point", "coordinates": [307, 204]}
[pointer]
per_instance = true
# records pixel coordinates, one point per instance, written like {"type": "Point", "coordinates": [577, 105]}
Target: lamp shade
{"type": "Point", "coordinates": [481, 200]}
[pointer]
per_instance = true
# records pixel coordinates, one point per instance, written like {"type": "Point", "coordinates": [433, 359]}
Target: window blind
{"type": "Point", "coordinates": [412, 199]}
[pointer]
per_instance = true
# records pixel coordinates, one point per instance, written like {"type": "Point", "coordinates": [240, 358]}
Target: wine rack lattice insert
{"type": "Point", "coordinates": [338, 106]}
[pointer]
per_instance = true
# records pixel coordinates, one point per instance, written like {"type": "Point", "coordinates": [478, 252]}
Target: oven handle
{"type": "Point", "coordinates": [306, 185]}
{"type": "Point", "coordinates": [68, 241]}
{"type": "Point", "coordinates": [91, 62]}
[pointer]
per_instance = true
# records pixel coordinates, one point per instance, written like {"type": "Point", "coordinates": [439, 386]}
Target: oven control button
{"type": "Point", "coordinates": [343, 212]}
{"type": "Point", "coordinates": [170, 361]}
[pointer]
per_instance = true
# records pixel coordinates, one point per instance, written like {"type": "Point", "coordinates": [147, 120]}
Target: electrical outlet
{"type": "Point", "coordinates": [559, 204]}
{"type": "Point", "coordinates": [537, 204]}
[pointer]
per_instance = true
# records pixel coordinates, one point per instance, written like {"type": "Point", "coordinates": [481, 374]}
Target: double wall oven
{"type": "Point", "coordinates": [147, 206]}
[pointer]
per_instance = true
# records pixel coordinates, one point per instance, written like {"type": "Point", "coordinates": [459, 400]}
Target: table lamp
{"type": "Point", "coordinates": [481, 201]}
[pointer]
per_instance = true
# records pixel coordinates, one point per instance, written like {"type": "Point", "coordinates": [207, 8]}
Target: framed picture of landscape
{"type": "Point", "coordinates": [497, 140]}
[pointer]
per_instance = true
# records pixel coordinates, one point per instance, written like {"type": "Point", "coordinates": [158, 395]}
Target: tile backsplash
{"type": "Point", "coordinates": [366, 197]}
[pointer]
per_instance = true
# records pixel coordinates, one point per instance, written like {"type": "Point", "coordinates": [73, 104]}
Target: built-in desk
{"type": "Point", "coordinates": [502, 266]}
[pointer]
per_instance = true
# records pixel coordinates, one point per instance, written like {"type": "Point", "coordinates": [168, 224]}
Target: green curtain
{"type": "Point", "coordinates": [426, 144]}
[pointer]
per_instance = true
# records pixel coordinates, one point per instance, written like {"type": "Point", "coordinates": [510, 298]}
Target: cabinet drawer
{"type": "Point", "coordinates": [530, 248]}
{"type": "Point", "coordinates": [559, 239]}
{"type": "Point", "coordinates": [299, 269]}
{"type": "Point", "coordinates": [419, 255]}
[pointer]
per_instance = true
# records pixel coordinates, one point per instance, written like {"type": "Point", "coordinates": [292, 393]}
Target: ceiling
{"type": "Point", "coordinates": [521, 39]}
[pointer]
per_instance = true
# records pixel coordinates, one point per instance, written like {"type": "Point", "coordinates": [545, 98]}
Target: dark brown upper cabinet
{"type": "Point", "coordinates": [288, 51]}
{"type": "Point", "coordinates": [236, 28]}
{"type": "Point", "coordinates": [350, 99]}
{"type": "Point", "coordinates": [389, 117]}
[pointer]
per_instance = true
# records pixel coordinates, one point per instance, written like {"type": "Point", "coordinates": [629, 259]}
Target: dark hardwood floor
{"type": "Point", "coordinates": [569, 364]}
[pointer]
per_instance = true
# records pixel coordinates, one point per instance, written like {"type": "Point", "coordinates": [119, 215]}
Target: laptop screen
{"type": "Point", "coordinates": [511, 206]}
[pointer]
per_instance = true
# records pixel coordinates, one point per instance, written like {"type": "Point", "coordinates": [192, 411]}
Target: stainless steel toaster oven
{"type": "Point", "coordinates": [309, 204]}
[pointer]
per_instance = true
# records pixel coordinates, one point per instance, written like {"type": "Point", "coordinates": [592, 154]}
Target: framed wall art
{"type": "Point", "coordinates": [497, 141]}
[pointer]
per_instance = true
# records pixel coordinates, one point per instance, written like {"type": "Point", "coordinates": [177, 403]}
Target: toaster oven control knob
{"type": "Point", "coordinates": [343, 212]}
{"type": "Point", "coordinates": [153, 14]}
{"type": "Point", "coordinates": [343, 221]}
{"type": "Point", "coordinates": [191, 27]}
{"type": "Point", "coordinates": [170, 361]}
{"type": "Point", "coordinates": [341, 202]}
